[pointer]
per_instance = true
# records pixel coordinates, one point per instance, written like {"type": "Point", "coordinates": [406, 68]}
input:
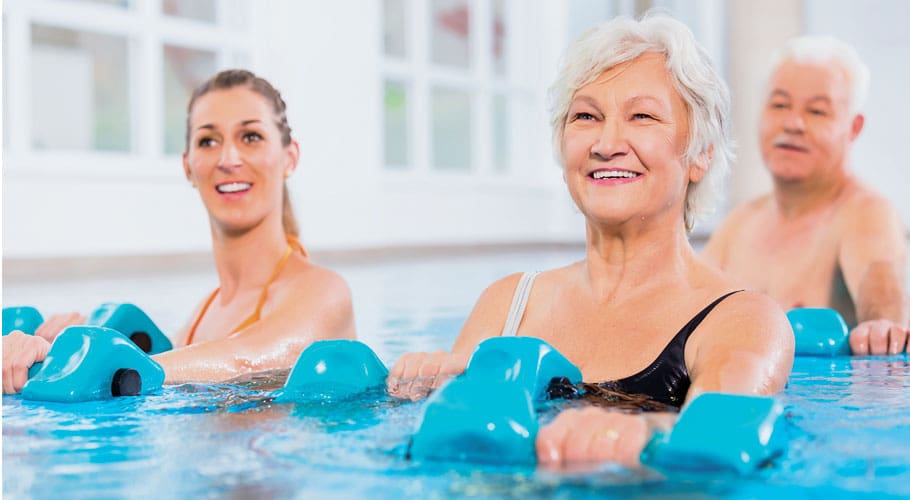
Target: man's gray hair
{"type": "Point", "coordinates": [817, 49]}
{"type": "Point", "coordinates": [706, 95]}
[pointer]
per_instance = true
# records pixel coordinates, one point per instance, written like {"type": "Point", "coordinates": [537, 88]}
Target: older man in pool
{"type": "Point", "coordinates": [821, 238]}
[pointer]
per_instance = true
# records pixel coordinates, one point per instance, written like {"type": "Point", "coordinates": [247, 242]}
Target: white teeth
{"type": "Point", "coordinates": [613, 174]}
{"type": "Point", "coordinates": [233, 187]}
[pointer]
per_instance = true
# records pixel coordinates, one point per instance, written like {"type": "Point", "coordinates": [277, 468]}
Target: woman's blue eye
{"type": "Point", "coordinates": [641, 116]}
{"type": "Point", "coordinates": [583, 116]}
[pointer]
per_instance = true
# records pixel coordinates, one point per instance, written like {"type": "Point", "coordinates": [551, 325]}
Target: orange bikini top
{"type": "Point", "coordinates": [293, 244]}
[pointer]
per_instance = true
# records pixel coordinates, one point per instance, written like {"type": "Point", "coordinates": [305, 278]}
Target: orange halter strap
{"type": "Point", "coordinates": [293, 244]}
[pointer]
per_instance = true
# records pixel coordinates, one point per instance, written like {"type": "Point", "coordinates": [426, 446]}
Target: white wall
{"type": "Point", "coordinates": [325, 58]}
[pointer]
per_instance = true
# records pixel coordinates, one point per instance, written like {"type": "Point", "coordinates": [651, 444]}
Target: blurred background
{"type": "Point", "coordinates": [422, 123]}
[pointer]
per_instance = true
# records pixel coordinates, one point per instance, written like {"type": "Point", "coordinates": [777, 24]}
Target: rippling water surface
{"type": "Point", "coordinates": [849, 419]}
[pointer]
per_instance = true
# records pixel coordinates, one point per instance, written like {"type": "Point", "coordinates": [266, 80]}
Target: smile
{"type": "Point", "coordinates": [233, 187]}
{"type": "Point", "coordinates": [613, 174]}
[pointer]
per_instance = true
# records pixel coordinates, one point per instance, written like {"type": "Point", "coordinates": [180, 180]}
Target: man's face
{"type": "Point", "coordinates": [806, 127]}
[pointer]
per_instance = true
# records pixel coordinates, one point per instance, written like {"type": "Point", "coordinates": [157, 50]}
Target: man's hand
{"type": "Point", "coordinates": [878, 337]}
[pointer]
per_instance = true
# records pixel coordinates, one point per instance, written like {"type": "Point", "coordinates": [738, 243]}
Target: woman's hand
{"type": "Point", "coordinates": [20, 352]}
{"type": "Point", "coordinates": [57, 323]}
{"type": "Point", "coordinates": [416, 374]}
{"type": "Point", "coordinates": [593, 435]}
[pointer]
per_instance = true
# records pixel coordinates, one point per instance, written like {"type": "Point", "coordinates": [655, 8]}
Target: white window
{"type": "Point", "coordinates": [450, 90]}
{"type": "Point", "coordinates": [103, 83]}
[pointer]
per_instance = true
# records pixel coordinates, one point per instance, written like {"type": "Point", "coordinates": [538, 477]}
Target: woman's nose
{"type": "Point", "coordinates": [230, 157]}
{"type": "Point", "coordinates": [611, 141]}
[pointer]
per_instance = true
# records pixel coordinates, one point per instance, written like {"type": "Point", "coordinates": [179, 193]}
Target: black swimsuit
{"type": "Point", "coordinates": [666, 379]}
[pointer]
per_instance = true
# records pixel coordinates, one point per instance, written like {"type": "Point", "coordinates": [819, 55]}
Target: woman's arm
{"type": "Point", "coordinates": [416, 374]}
{"type": "Point", "coordinates": [315, 305]}
{"type": "Point", "coordinates": [745, 346]}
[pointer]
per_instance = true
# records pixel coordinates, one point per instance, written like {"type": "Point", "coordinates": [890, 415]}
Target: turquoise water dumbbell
{"type": "Point", "coordinates": [531, 362]}
{"type": "Point", "coordinates": [132, 322]}
{"type": "Point", "coordinates": [819, 331]}
{"type": "Point", "coordinates": [487, 414]}
{"type": "Point", "coordinates": [720, 432]}
{"type": "Point", "coordinates": [332, 370]}
{"type": "Point", "coordinates": [91, 362]}
{"type": "Point", "coordinates": [126, 318]}
{"type": "Point", "coordinates": [26, 319]}
{"type": "Point", "coordinates": [471, 419]}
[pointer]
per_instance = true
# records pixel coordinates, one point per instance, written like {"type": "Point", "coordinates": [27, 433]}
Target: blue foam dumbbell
{"type": "Point", "coordinates": [819, 331]}
{"type": "Point", "coordinates": [132, 322]}
{"type": "Point", "coordinates": [89, 362]}
{"type": "Point", "coordinates": [472, 420]}
{"type": "Point", "coordinates": [720, 432]}
{"type": "Point", "coordinates": [487, 414]}
{"type": "Point", "coordinates": [529, 361]}
{"type": "Point", "coordinates": [331, 370]}
{"type": "Point", "coordinates": [26, 319]}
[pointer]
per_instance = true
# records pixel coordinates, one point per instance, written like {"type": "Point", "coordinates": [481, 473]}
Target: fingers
{"type": "Point", "coordinates": [20, 352]}
{"type": "Point", "coordinates": [592, 435]}
{"type": "Point", "coordinates": [57, 323]}
{"type": "Point", "coordinates": [416, 374]}
{"type": "Point", "coordinates": [878, 337]}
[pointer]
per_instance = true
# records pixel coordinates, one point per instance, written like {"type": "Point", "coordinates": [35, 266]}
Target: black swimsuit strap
{"type": "Point", "coordinates": [666, 379]}
{"type": "Point", "coordinates": [693, 323]}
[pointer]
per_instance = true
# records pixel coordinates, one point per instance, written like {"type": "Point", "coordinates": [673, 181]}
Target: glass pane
{"type": "Point", "coordinates": [451, 129]}
{"type": "Point", "coordinates": [92, 109]}
{"type": "Point", "coordinates": [396, 124]}
{"type": "Point", "coordinates": [184, 70]}
{"type": "Point", "coordinates": [395, 28]}
{"type": "Point", "coordinates": [116, 3]}
{"type": "Point", "coordinates": [451, 33]}
{"type": "Point", "coordinates": [499, 37]}
{"type": "Point", "coordinates": [501, 139]}
{"type": "Point", "coordinates": [5, 88]}
{"type": "Point", "coordinates": [197, 10]}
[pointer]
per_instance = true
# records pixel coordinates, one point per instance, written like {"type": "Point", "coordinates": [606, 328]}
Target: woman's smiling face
{"type": "Point", "coordinates": [624, 144]}
{"type": "Point", "coordinates": [235, 157]}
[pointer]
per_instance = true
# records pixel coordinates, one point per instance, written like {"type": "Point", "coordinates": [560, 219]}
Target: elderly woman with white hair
{"type": "Point", "coordinates": [641, 129]}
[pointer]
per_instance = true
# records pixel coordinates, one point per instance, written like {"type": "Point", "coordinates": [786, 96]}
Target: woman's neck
{"type": "Point", "coordinates": [247, 260]}
{"type": "Point", "coordinates": [629, 259]}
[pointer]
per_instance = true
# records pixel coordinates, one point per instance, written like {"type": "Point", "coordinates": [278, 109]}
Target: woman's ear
{"type": "Point", "coordinates": [293, 158]}
{"type": "Point", "coordinates": [186, 170]}
{"type": "Point", "coordinates": [699, 167]}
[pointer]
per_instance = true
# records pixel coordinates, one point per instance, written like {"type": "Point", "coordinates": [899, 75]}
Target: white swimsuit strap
{"type": "Point", "coordinates": [519, 303]}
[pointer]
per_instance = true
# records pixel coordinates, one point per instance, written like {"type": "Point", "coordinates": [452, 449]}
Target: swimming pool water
{"type": "Point", "coordinates": [849, 419]}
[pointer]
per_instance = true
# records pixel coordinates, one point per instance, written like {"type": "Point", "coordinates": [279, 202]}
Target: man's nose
{"type": "Point", "coordinates": [794, 123]}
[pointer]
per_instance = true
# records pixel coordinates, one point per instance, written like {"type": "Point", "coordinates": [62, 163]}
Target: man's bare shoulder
{"type": "Point", "coordinates": [741, 216]}
{"type": "Point", "coordinates": [863, 207]}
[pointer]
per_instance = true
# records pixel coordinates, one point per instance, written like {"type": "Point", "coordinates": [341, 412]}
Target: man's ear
{"type": "Point", "coordinates": [856, 126]}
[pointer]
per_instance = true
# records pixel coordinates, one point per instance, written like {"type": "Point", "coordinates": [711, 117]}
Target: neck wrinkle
{"type": "Point", "coordinates": [621, 261]}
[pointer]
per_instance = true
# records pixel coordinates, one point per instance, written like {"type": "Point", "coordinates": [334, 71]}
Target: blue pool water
{"type": "Point", "coordinates": [849, 419]}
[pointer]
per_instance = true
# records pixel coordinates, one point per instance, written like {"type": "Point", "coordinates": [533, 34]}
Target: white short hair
{"type": "Point", "coordinates": [816, 49]}
{"type": "Point", "coordinates": [692, 73]}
